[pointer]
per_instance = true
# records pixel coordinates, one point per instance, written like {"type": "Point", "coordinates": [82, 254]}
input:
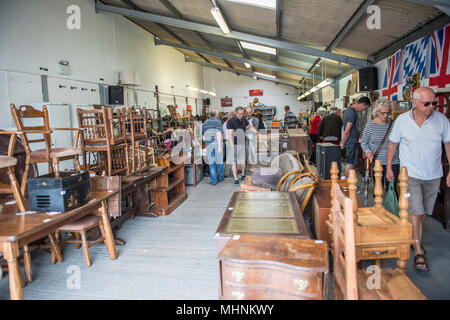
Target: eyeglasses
{"type": "Point", "coordinates": [426, 104]}
{"type": "Point", "coordinates": [384, 113]}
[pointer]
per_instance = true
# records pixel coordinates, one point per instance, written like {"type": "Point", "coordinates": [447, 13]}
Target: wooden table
{"type": "Point", "coordinates": [19, 230]}
{"type": "Point", "coordinates": [261, 213]}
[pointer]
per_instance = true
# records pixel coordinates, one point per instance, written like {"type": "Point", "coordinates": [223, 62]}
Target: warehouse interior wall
{"type": "Point", "coordinates": [105, 45]}
{"type": "Point", "coordinates": [230, 85]}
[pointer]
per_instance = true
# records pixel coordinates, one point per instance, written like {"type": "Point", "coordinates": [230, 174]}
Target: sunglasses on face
{"type": "Point", "coordinates": [427, 103]}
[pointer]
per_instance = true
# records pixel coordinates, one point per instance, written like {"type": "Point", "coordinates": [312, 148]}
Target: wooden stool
{"type": "Point", "coordinates": [79, 229]}
{"type": "Point", "coordinates": [351, 283]}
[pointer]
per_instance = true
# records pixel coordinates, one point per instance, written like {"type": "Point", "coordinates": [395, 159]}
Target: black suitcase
{"type": "Point", "coordinates": [326, 153]}
{"type": "Point", "coordinates": [47, 193]}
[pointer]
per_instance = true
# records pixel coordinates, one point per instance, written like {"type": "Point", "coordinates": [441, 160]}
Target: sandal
{"type": "Point", "coordinates": [420, 266]}
{"type": "Point", "coordinates": [424, 251]}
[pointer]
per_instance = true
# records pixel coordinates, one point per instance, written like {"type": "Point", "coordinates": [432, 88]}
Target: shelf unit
{"type": "Point", "coordinates": [170, 190]}
{"type": "Point", "coordinates": [268, 112]}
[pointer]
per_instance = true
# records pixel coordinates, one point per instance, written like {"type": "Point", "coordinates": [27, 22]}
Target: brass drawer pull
{"type": "Point", "coordinates": [380, 252]}
{"type": "Point", "coordinates": [238, 295]}
{"type": "Point", "coordinates": [301, 284]}
{"type": "Point", "coordinates": [238, 275]}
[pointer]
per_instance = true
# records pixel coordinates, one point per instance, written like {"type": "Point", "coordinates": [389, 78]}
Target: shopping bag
{"type": "Point", "coordinates": [391, 202]}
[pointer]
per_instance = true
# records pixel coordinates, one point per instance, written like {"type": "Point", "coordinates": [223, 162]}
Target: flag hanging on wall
{"type": "Point", "coordinates": [439, 59]}
{"type": "Point", "coordinates": [414, 62]}
{"type": "Point", "coordinates": [392, 76]}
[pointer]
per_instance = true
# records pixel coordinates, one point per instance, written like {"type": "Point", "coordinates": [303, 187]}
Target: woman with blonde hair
{"type": "Point", "coordinates": [375, 138]}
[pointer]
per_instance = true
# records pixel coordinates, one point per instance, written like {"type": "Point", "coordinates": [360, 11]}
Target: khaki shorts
{"type": "Point", "coordinates": [423, 194]}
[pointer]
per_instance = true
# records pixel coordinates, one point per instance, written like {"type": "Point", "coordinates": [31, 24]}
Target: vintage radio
{"type": "Point", "coordinates": [47, 193]}
{"type": "Point", "coordinates": [326, 153]}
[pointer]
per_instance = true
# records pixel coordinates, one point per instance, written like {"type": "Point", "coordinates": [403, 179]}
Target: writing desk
{"type": "Point", "coordinates": [19, 230]}
{"type": "Point", "coordinates": [262, 213]}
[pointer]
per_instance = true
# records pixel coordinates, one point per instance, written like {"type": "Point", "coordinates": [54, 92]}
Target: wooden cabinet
{"type": "Point", "coordinates": [170, 190]}
{"type": "Point", "coordinates": [276, 268]}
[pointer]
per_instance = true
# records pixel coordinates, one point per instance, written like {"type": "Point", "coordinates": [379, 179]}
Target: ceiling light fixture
{"type": "Point", "coordinates": [248, 65]}
{"type": "Point", "coordinates": [215, 11]}
{"type": "Point", "coordinates": [192, 88]}
{"type": "Point", "coordinates": [266, 75]}
{"type": "Point", "coordinates": [321, 85]}
{"type": "Point", "coordinates": [269, 4]}
{"type": "Point", "coordinates": [257, 47]}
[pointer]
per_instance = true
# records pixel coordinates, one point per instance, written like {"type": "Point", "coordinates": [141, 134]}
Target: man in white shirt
{"type": "Point", "coordinates": [420, 133]}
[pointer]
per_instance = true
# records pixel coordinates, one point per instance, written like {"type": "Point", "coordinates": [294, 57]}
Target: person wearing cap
{"type": "Point", "coordinates": [314, 131]}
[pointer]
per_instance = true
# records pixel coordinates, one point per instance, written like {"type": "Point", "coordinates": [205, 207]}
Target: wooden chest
{"type": "Point", "coordinates": [253, 267]}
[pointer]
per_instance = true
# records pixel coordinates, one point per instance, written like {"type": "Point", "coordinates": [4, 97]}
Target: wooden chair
{"type": "Point", "coordinates": [104, 134]}
{"type": "Point", "coordinates": [50, 155]}
{"type": "Point", "coordinates": [79, 229]}
{"type": "Point", "coordinates": [379, 234]}
{"type": "Point", "coordinates": [7, 164]}
{"type": "Point", "coordinates": [136, 130]}
{"type": "Point", "coordinates": [351, 283]}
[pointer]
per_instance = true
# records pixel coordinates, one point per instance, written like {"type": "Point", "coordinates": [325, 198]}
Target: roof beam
{"type": "Point", "coordinates": [179, 15]}
{"type": "Point", "coordinates": [278, 26]}
{"type": "Point", "coordinates": [162, 26]}
{"type": "Point", "coordinates": [230, 57]}
{"type": "Point", "coordinates": [246, 73]}
{"type": "Point", "coordinates": [355, 62]}
{"type": "Point", "coordinates": [442, 5]}
{"type": "Point", "coordinates": [354, 19]}
{"type": "Point", "coordinates": [424, 30]}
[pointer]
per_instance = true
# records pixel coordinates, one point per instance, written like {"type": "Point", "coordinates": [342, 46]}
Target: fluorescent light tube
{"type": "Point", "coordinates": [248, 65]}
{"type": "Point", "coordinates": [269, 4]}
{"type": "Point", "coordinates": [212, 93]}
{"type": "Point", "coordinates": [257, 47]}
{"type": "Point", "coordinates": [193, 88]}
{"type": "Point", "coordinates": [325, 83]}
{"type": "Point", "coordinates": [204, 91]}
{"type": "Point", "coordinates": [266, 75]}
{"type": "Point", "coordinates": [215, 11]}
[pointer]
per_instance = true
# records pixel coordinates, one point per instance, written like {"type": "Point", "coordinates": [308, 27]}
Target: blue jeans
{"type": "Point", "coordinates": [215, 162]}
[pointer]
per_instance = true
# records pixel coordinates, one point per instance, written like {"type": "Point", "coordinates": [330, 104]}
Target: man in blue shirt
{"type": "Point", "coordinates": [212, 135]}
{"type": "Point", "coordinates": [290, 120]}
{"type": "Point", "coordinates": [350, 132]}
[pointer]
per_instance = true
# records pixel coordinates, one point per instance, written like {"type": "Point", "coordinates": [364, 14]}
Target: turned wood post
{"type": "Point", "coordinates": [378, 188]}
{"type": "Point", "coordinates": [403, 201]}
{"type": "Point", "coordinates": [352, 181]}
{"type": "Point", "coordinates": [334, 178]}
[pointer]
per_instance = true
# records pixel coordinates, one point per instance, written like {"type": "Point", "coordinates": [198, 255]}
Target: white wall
{"type": "Point", "coordinates": [230, 85]}
{"type": "Point", "coordinates": [33, 34]}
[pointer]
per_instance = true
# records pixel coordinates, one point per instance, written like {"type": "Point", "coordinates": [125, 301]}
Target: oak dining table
{"type": "Point", "coordinates": [18, 229]}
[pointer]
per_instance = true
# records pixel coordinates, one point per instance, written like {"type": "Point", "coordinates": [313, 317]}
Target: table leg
{"type": "Point", "coordinates": [109, 238]}
{"type": "Point", "coordinates": [27, 262]}
{"type": "Point", "coordinates": [11, 252]}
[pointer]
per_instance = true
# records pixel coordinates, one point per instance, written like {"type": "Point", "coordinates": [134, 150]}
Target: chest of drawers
{"type": "Point", "coordinates": [255, 267]}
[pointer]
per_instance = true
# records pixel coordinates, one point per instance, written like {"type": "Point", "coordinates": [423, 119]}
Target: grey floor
{"type": "Point", "coordinates": [174, 257]}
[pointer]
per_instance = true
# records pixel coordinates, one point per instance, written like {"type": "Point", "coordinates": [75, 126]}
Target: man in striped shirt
{"type": "Point", "coordinates": [290, 120]}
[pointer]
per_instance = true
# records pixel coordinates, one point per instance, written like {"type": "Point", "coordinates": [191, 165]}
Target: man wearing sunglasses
{"type": "Point", "coordinates": [420, 134]}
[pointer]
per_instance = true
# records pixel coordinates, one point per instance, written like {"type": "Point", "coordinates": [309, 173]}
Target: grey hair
{"type": "Point", "coordinates": [238, 108]}
{"type": "Point", "coordinates": [380, 103]}
{"type": "Point", "coordinates": [213, 113]}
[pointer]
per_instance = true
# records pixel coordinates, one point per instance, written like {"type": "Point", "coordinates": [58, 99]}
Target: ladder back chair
{"type": "Point", "coordinates": [136, 128]}
{"type": "Point", "coordinates": [104, 134]}
{"type": "Point", "coordinates": [351, 283]}
{"type": "Point", "coordinates": [50, 155]}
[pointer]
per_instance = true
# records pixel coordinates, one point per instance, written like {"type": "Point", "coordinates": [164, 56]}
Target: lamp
{"type": "Point", "coordinates": [215, 11]}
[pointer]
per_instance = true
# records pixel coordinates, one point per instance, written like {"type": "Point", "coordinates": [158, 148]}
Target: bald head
{"type": "Point", "coordinates": [423, 93]}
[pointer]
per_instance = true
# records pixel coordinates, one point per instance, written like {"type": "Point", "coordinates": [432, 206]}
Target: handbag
{"type": "Point", "coordinates": [372, 164]}
{"type": "Point", "coordinates": [391, 202]}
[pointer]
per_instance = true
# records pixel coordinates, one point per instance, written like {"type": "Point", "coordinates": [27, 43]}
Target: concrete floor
{"type": "Point", "coordinates": [174, 257]}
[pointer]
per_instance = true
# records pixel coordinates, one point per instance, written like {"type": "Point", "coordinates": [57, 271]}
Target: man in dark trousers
{"type": "Point", "coordinates": [212, 135]}
{"type": "Point", "coordinates": [236, 127]}
{"type": "Point", "coordinates": [330, 128]}
{"type": "Point", "coordinates": [350, 132]}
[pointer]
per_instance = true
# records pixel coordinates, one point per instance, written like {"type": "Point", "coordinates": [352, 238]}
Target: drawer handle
{"type": "Point", "coordinates": [380, 252]}
{"type": "Point", "coordinates": [238, 275]}
{"type": "Point", "coordinates": [301, 284]}
{"type": "Point", "coordinates": [238, 295]}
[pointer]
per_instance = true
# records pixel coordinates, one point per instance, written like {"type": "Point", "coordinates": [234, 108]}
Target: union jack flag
{"type": "Point", "coordinates": [391, 76]}
{"type": "Point", "coordinates": [439, 76]}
